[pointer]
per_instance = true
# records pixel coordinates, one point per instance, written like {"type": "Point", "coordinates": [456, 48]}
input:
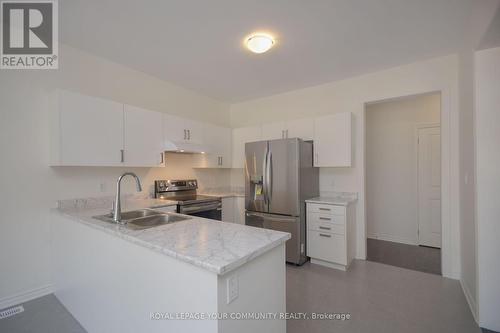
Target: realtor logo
{"type": "Point", "coordinates": [29, 35]}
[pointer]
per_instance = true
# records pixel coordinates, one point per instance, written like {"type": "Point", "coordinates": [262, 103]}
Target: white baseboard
{"type": "Point", "coordinates": [391, 238]}
{"type": "Point", "coordinates": [25, 296]}
{"type": "Point", "coordinates": [470, 300]}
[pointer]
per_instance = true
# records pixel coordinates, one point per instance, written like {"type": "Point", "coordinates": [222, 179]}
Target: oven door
{"type": "Point", "coordinates": [208, 210]}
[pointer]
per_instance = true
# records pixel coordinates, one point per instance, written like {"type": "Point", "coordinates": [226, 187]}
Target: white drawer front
{"type": "Point", "coordinates": [326, 227]}
{"type": "Point", "coordinates": [325, 209]}
{"type": "Point", "coordinates": [324, 218]}
{"type": "Point", "coordinates": [326, 246]}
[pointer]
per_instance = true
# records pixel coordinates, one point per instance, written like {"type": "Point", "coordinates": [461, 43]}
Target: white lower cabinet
{"type": "Point", "coordinates": [233, 210]}
{"type": "Point", "coordinates": [330, 234]}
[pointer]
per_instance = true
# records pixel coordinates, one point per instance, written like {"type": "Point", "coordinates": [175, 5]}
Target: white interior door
{"type": "Point", "coordinates": [429, 186]}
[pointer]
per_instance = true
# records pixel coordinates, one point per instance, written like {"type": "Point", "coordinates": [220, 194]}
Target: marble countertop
{"type": "Point", "coordinates": [213, 245]}
{"type": "Point", "coordinates": [340, 198]}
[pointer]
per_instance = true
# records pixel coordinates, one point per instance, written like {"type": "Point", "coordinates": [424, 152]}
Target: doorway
{"type": "Point", "coordinates": [403, 182]}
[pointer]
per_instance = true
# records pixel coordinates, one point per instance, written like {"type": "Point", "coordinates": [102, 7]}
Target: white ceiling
{"type": "Point", "coordinates": [198, 44]}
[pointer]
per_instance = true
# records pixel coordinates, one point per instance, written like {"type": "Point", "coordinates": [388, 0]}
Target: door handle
{"type": "Point", "coordinates": [270, 176]}
{"type": "Point", "coordinates": [325, 235]}
{"type": "Point", "coordinates": [161, 158]}
{"type": "Point", "coordinates": [185, 135]}
{"type": "Point", "coordinates": [327, 209]}
{"type": "Point", "coordinates": [220, 161]}
{"type": "Point", "coordinates": [325, 228]}
{"type": "Point", "coordinates": [122, 155]}
{"type": "Point", "coordinates": [325, 219]}
{"type": "Point", "coordinates": [264, 177]}
{"type": "Point", "coordinates": [189, 134]}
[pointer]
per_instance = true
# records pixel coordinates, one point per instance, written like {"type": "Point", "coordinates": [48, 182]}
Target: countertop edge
{"type": "Point", "coordinates": [134, 240]}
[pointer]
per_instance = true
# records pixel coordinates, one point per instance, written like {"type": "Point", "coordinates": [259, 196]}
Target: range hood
{"type": "Point", "coordinates": [185, 147]}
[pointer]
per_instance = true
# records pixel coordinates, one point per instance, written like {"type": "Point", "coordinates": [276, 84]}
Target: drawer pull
{"type": "Point", "coordinates": [325, 218]}
{"type": "Point", "coordinates": [328, 209]}
{"type": "Point", "coordinates": [325, 235]}
{"type": "Point", "coordinates": [325, 228]}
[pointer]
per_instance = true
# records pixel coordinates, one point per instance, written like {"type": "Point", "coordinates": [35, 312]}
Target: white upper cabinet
{"type": "Point", "coordinates": [194, 131]}
{"type": "Point", "coordinates": [241, 136]}
{"type": "Point", "coordinates": [174, 129]}
{"type": "Point", "coordinates": [218, 139]}
{"type": "Point", "coordinates": [177, 129]}
{"type": "Point", "coordinates": [143, 137]}
{"type": "Point", "coordinates": [300, 128]}
{"type": "Point", "coordinates": [332, 140]}
{"type": "Point", "coordinates": [86, 130]}
{"type": "Point", "coordinates": [272, 131]}
{"type": "Point", "coordinates": [297, 128]}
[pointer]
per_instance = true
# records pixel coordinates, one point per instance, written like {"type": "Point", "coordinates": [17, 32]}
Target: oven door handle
{"type": "Point", "coordinates": [195, 208]}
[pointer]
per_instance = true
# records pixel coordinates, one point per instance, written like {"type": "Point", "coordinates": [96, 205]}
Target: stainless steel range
{"type": "Point", "coordinates": [189, 202]}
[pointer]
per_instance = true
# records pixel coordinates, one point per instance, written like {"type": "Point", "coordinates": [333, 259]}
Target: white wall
{"type": "Point", "coordinates": [467, 187]}
{"type": "Point", "coordinates": [439, 74]}
{"type": "Point", "coordinates": [487, 114]}
{"type": "Point", "coordinates": [391, 165]}
{"type": "Point", "coordinates": [29, 187]}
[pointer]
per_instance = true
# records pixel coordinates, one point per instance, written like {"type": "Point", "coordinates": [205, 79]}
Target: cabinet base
{"type": "Point", "coordinates": [329, 264]}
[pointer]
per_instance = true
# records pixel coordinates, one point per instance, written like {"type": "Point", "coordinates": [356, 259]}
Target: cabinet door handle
{"type": "Point", "coordinates": [325, 219]}
{"type": "Point", "coordinates": [122, 155]}
{"type": "Point", "coordinates": [325, 235]}
{"type": "Point", "coordinates": [286, 132]}
{"type": "Point", "coordinates": [282, 134]}
{"type": "Point", "coordinates": [327, 209]}
{"type": "Point", "coordinates": [161, 158]}
{"type": "Point", "coordinates": [317, 158]}
{"type": "Point", "coordinates": [185, 135]}
{"type": "Point", "coordinates": [220, 161]}
{"type": "Point", "coordinates": [189, 134]}
{"type": "Point", "coordinates": [325, 228]}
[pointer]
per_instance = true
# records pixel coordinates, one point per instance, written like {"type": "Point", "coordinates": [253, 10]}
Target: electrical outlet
{"type": "Point", "coordinates": [232, 288]}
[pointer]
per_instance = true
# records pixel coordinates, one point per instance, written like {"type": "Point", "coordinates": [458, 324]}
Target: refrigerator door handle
{"type": "Point", "coordinates": [270, 176]}
{"type": "Point", "coordinates": [264, 177]}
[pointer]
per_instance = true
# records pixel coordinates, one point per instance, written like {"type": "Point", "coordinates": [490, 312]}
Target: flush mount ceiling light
{"type": "Point", "coordinates": [259, 42]}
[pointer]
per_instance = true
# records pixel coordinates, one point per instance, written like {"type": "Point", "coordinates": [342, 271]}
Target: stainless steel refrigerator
{"type": "Point", "coordinates": [279, 176]}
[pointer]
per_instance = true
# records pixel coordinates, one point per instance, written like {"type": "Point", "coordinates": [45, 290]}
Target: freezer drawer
{"type": "Point", "coordinates": [291, 224]}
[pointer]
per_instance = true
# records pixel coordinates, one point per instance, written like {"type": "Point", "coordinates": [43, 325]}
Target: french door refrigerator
{"type": "Point", "coordinates": [279, 176]}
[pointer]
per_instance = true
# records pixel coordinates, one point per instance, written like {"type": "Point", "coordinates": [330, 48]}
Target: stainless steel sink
{"type": "Point", "coordinates": [143, 218]}
{"type": "Point", "coordinates": [153, 221]}
{"type": "Point", "coordinates": [135, 214]}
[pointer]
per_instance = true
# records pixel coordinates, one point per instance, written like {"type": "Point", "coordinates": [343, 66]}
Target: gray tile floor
{"type": "Point", "coordinates": [42, 315]}
{"type": "Point", "coordinates": [418, 258]}
{"type": "Point", "coordinates": [379, 298]}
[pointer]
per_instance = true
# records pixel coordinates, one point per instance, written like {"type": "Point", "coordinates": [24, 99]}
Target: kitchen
{"type": "Point", "coordinates": [223, 180]}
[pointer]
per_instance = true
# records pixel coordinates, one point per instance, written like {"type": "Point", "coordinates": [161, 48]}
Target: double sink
{"type": "Point", "coordinates": [143, 218]}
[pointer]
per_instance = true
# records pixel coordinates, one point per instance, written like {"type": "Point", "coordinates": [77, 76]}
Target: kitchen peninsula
{"type": "Point", "coordinates": [114, 278]}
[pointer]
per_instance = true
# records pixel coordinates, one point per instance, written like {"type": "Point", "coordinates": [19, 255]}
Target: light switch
{"type": "Point", "coordinates": [232, 288]}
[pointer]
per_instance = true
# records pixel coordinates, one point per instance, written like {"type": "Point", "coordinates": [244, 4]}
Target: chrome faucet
{"type": "Point", "coordinates": [117, 209]}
